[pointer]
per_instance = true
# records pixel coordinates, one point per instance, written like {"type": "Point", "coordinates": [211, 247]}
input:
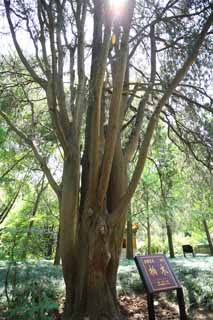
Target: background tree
{"type": "Point", "coordinates": [202, 203]}
{"type": "Point", "coordinates": [129, 236]}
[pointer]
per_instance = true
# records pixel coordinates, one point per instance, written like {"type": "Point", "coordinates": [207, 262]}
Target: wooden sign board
{"type": "Point", "coordinates": [157, 275]}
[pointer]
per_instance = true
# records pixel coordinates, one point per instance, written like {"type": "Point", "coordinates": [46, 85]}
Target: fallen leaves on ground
{"type": "Point", "coordinates": [135, 307]}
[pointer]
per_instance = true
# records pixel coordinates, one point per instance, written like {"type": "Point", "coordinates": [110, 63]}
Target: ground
{"type": "Point", "coordinates": [35, 290]}
{"type": "Point", "coordinates": [136, 308]}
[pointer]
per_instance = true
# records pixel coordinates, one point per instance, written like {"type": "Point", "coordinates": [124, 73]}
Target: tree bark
{"type": "Point", "coordinates": [57, 257]}
{"type": "Point", "coordinates": [94, 297]}
{"type": "Point", "coordinates": [206, 228]}
{"type": "Point", "coordinates": [129, 236]}
{"type": "Point", "coordinates": [93, 290]}
{"type": "Point", "coordinates": [170, 240]}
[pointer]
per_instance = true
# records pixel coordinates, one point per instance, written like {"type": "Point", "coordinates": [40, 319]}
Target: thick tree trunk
{"type": "Point", "coordinates": [92, 292]}
{"type": "Point", "coordinates": [91, 288]}
{"type": "Point", "coordinates": [129, 247]}
{"type": "Point", "coordinates": [206, 228]}
{"type": "Point", "coordinates": [170, 240]}
{"type": "Point", "coordinates": [149, 247]}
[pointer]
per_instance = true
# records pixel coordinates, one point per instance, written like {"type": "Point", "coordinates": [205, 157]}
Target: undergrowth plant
{"type": "Point", "coordinates": [31, 290]}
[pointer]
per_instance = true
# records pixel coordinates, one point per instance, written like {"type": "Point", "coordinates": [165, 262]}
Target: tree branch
{"type": "Point", "coordinates": [135, 134]}
{"type": "Point", "coordinates": [9, 206]}
{"type": "Point", "coordinates": [42, 82]}
{"type": "Point", "coordinates": [39, 158]}
{"type": "Point", "coordinates": [98, 69]}
{"type": "Point", "coordinates": [155, 117]}
{"type": "Point", "coordinates": [13, 166]}
{"type": "Point", "coordinates": [115, 111]}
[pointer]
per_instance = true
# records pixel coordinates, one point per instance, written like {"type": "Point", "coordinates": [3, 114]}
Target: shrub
{"type": "Point", "coordinates": [32, 290]}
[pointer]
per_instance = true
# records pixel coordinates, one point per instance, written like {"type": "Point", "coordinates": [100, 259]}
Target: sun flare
{"type": "Point", "coordinates": [117, 4]}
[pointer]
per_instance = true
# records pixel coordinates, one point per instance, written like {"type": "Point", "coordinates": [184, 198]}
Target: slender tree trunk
{"type": "Point", "coordinates": [129, 247]}
{"type": "Point", "coordinates": [49, 242]}
{"type": "Point", "coordinates": [206, 228]}
{"type": "Point", "coordinates": [170, 240]}
{"type": "Point", "coordinates": [26, 245]}
{"type": "Point", "coordinates": [34, 211]}
{"type": "Point", "coordinates": [148, 226]}
{"type": "Point", "coordinates": [57, 257]}
{"type": "Point", "coordinates": [49, 251]}
{"type": "Point", "coordinates": [149, 240]}
{"type": "Point", "coordinates": [68, 205]}
{"type": "Point", "coordinates": [117, 187]}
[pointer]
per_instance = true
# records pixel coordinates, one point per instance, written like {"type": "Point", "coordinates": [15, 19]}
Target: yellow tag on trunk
{"type": "Point", "coordinates": [113, 39]}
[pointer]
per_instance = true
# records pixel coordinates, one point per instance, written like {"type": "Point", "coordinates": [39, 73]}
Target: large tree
{"type": "Point", "coordinates": [85, 60]}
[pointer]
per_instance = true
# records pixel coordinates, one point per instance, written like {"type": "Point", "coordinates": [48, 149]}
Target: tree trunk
{"type": "Point", "coordinates": [149, 247]}
{"type": "Point", "coordinates": [34, 211]}
{"type": "Point", "coordinates": [129, 247]}
{"type": "Point", "coordinates": [91, 287]}
{"type": "Point", "coordinates": [206, 228]}
{"type": "Point", "coordinates": [93, 291]}
{"type": "Point", "coordinates": [93, 294]}
{"type": "Point", "coordinates": [49, 242]}
{"type": "Point", "coordinates": [57, 257]}
{"type": "Point", "coordinates": [26, 245]}
{"type": "Point", "coordinates": [49, 251]}
{"type": "Point", "coordinates": [170, 240]}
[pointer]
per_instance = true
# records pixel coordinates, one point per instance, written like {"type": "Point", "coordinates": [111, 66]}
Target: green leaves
{"type": "Point", "coordinates": [3, 135]}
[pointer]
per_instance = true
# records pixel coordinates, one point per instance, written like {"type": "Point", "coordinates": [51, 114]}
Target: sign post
{"type": "Point", "coordinates": [157, 276]}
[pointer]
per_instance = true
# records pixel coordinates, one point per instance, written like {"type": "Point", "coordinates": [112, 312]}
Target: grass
{"type": "Point", "coordinates": [34, 287]}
